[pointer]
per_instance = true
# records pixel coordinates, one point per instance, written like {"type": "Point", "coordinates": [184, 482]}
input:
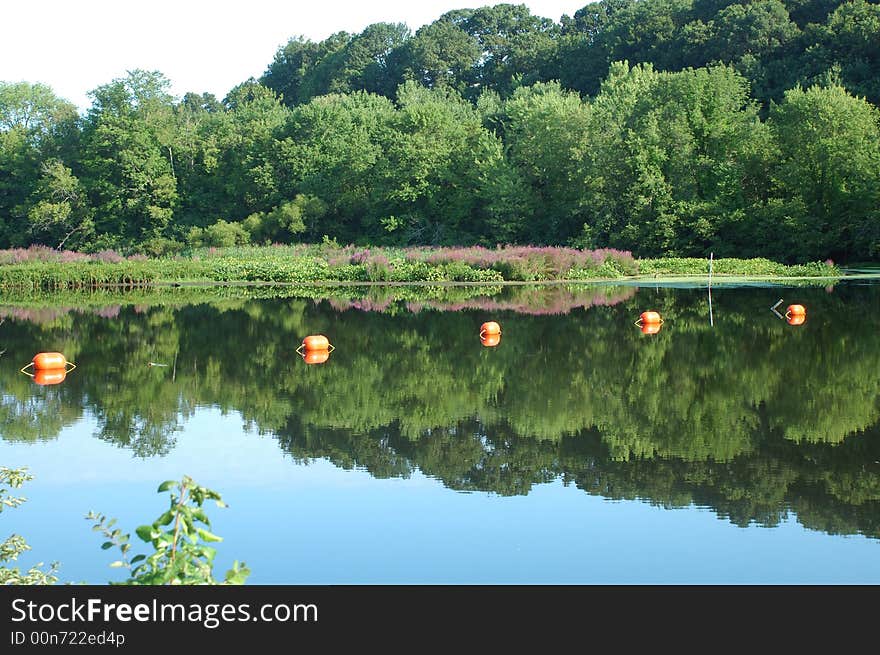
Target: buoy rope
{"type": "Point", "coordinates": [330, 348]}
{"type": "Point", "coordinates": [66, 370]}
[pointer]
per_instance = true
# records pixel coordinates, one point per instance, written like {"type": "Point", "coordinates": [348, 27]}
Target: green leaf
{"type": "Point", "coordinates": [165, 486]}
{"type": "Point", "coordinates": [208, 536]}
{"type": "Point", "coordinates": [117, 564]}
{"type": "Point", "coordinates": [145, 532]}
{"type": "Point", "coordinates": [138, 558]}
{"type": "Point", "coordinates": [209, 553]}
{"type": "Point", "coordinates": [237, 574]}
{"type": "Point", "coordinates": [106, 545]}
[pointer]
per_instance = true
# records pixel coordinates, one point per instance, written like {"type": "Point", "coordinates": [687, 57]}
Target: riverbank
{"type": "Point", "coordinates": [43, 269]}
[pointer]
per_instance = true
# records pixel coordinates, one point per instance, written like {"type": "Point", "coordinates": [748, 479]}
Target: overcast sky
{"type": "Point", "coordinates": [199, 45]}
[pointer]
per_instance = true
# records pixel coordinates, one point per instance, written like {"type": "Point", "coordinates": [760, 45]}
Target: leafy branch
{"type": "Point", "coordinates": [179, 537]}
{"type": "Point", "coordinates": [15, 545]}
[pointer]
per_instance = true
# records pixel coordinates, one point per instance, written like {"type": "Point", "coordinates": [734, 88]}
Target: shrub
{"type": "Point", "coordinates": [221, 234]}
{"type": "Point", "coordinates": [161, 247]}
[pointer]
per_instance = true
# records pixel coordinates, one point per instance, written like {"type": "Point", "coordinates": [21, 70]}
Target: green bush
{"type": "Point", "coordinates": [161, 247]}
{"type": "Point", "coordinates": [221, 234]}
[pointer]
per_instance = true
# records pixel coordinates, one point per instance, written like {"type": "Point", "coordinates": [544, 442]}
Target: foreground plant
{"type": "Point", "coordinates": [15, 545]}
{"type": "Point", "coordinates": [181, 554]}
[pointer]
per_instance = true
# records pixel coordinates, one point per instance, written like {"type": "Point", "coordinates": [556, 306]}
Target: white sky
{"type": "Point", "coordinates": [200, 45]}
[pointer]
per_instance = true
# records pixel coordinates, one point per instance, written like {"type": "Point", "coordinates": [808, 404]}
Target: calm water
{"type": "Point", "coordinates": [578, 450]}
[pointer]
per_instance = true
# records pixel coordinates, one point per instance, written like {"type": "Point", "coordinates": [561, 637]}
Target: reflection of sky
{"type": "Point", "coordinates": [318, 524]}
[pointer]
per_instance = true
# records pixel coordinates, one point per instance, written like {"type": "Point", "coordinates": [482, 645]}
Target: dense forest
{"type": "Point", "coordinates": [689, 415]}
{"type": "Point", "coordinates": [662, 127]}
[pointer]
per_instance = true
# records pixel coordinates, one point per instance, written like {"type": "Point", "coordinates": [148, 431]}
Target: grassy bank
{"type": "Point", "coordinates": [45, 269]}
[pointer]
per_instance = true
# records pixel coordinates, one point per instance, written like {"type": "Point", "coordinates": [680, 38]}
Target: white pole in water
{"type": "Point", "coordinates": [711, 319]}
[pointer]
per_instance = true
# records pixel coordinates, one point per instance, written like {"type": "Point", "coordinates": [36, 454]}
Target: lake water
{"type": "Point", "coordinates": [734, 448]}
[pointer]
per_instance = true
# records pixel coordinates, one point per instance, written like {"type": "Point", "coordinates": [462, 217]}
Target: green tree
{"type": "Point", "coordinates": [849, 42]}
{"type": "Point", "coordinates": [238, 165]}
{"type": "Point", "coordinates": [329, 150]}
{"type": "Point", "coordinates": [127, 157]}
{"type": "Point", "coordinates": [36, 128]}
{"type": "Point", "coordinates": [439, 55]}
{"type": "Point", "coordinates": [544, 129]}
{"type": "Point", "coordinates": [59, 208]}
{"type": "Point", "coordinates": [827, 173]}
{"type": "Point", "coordinates": [431, 176]}
{"type": "Point", "coordinates": [516, 47]}
{"type": "Point", "coordinates": [670, 159]}
{"type": "Point", "coordinates": [366, 61]}
{"type": "Point", "coordinates": [302, 69]}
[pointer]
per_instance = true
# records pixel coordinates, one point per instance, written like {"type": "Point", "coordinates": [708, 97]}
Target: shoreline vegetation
{"type": "Point", "coordinates": [40, 268]}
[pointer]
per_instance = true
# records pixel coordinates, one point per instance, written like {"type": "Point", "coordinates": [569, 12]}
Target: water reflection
{"type": "Point", "coordinates": [743, 415]}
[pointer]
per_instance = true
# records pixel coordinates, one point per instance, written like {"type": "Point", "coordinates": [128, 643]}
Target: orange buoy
{"type": "Point", "coordinates": [796, 319]}
{"type": "Point", "coordinates": [47, 376]}
{"type": "Point", "coordinates": [490, 327]}
{"type": "Point", "coordinates": [796, 310]}
{"type": "Point", "coordinates": [49, 361]}
{"type": "Point", "coordinates": [316, 342]}
{"type": "Point", "coordinates": [651, 328]}
{"type": "Point", "coordinates": [490, 340]}
{"type": "Point", "coordinates": [650, 317]}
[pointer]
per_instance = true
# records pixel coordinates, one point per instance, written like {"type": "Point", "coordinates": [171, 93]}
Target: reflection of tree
{"type": "Point", "coordinates": [35, 418]}
{"type": "Point", "coordinates": [752, 418]}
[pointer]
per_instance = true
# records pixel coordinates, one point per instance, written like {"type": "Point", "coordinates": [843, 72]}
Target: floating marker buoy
{"type": "Point", "coordinates": [795, 314]}
{"type": "Point", "coordinates": [50, 368]}
{"type": "Point", "coordinates": [490, 340]}
{"type": "Point", "coordinates": [47, 376]}
{"type": "Point", "coordinates": [49, 361]}
{"type": "Point", "coordinates": [650, 322]}
{"type": "Point", "coordinates": [490, 327]}
{"type": "Point", "coordinates": [315, 342]}
{"type": "Point", "coordinates": [316, 356]}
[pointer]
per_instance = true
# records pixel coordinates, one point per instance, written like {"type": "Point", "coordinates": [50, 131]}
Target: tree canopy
{"type": "Point", "coordinates": [662, 126]}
